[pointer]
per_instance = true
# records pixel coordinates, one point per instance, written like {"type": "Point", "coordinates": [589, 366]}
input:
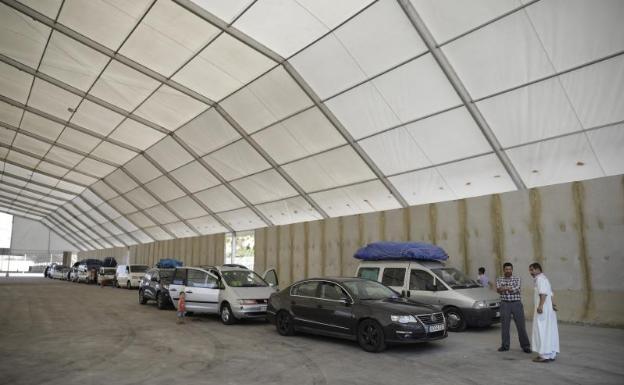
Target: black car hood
{"type": "Point", "coordinates": [402, 306]}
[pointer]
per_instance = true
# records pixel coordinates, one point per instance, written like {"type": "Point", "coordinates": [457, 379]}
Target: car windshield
{"type": "Point", "coordinates": [138, 268]}
{"type": "Point", "coordinates": [243, 278]}
{"type": "Point", "coordinates": [369, 290]}
{"type": "Point", "coordinates": [455, 278]}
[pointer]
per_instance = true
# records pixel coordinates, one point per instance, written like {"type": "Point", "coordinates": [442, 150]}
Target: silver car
{"type": "Point", "coordinates": [233, 292]}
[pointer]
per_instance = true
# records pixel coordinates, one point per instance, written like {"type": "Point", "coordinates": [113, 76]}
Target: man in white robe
{"type": "Point", "coordinates": [545, 338]}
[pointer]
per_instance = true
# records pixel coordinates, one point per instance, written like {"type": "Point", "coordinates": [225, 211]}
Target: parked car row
{"type": "Point", "coordinates": [403, 293]}
{"type": "Point", "coordinates": [105, 272]}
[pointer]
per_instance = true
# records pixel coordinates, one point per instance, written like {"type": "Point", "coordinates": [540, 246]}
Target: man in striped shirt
{"type": "Point", "coordinates": [508, 287]}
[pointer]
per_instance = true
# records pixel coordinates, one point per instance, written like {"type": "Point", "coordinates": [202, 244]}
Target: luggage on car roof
{"type": "Point", "coordinates": [401, 251]}
{"type": "Point", "coordinates": [109, 262]}
{"type": "Point", "coordinates": [167, 263]}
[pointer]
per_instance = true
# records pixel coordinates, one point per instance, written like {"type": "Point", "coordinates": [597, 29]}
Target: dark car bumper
{"type": "Point", "coordinates": [481, 317]}
{"type": "Point", "coordinates": [270, 315]}
{"type": "Point", "coordinates": [411, 333]}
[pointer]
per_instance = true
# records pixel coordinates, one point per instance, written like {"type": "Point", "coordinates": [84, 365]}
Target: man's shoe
{"type": "Point", "coordinates": [503, 349]}
{"type": "Point", "coordinates": [526, 350]}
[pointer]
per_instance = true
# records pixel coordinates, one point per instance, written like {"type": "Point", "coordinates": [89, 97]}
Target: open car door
{"type": "Point", "coordinates": [270, 276]}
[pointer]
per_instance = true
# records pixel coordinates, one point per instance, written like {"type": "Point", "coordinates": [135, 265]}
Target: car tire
{"type": "Point", "coordinates": [142, 298]}
{"type": "Point", "coordinates": [226, 315]}
{"type": "Point", "coordinates": [284, 323]}
{"type": "Point", "coordinates": [371, 336]}
{"type": "Point", "coordinates": [128, 285]}
{"type": "Point", "coordinates": [455, 320]}
{"type": "Point", "coordinates": [161, 303]}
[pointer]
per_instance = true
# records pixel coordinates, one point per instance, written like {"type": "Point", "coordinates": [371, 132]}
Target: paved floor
{"type": "Point", "coordinates": [56, 332]}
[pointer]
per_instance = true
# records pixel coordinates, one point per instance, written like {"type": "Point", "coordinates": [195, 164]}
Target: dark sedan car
{"type": "Point", "coordinates": [357, 309]}
{"type": "Point", "coordinates": [155, 286]}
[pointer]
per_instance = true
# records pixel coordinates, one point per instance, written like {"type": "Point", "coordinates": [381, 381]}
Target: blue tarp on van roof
{"type": "Point", "coordinates": [401, 251]}
{"type": "Point", "coordinates": [167, 263]}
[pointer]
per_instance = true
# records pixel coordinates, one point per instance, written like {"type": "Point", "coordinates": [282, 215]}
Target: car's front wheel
{"type": "Point", "coordinates": [284, 323]}
{"type": "Point", "coordinates": [371, 336]}
{"type": "Point", "coordinates": [142, 298]}
{"type": "Point", "coordinates": [227, 317]}
{"type": "Point", "coordinates": [455, 320]}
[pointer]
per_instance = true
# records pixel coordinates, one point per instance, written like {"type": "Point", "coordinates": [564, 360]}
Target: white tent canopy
{"type": "Point", "coordinates": [125, 122]}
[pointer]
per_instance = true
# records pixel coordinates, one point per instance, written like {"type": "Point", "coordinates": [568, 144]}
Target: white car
{"type": "Point", "coordinates": [130, 276]}
{"type": "Point", "coordinates": [232, 291]}
{"type": "Point", "coordinates": [58, 271]}
{"type": "Point", "coordinates": [106, 276]}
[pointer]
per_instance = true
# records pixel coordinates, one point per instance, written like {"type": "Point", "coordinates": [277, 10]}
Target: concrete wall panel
{"type": "Point", "coordinates": [357, 230]}
{"type": "Point", "coordinates": [299, 264]}
{"type": "Point", "coordinates": [316, 248]}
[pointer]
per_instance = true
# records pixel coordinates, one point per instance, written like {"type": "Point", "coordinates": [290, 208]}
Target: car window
{"type": "Point", "coordinates": [393, 276]}
{"type": "Point", "coordinates": [179, 278]}
{"type": "Point", "coordinates": [198, 278]}
{"type": "Point", "coordinates": [422, 280]}
{"type": "Point", "coordinates": [369, 273]}
{"type": "Point", "coordinates": [306, 289]}
{"type": "Point", "coordinates": [332, 291]}
{"type": "Point", "coordinates": [243, 278]}
{"type": "Point", "coordinates": [138, 268]}
{"type": "Point", "coordinates": [369, 290]}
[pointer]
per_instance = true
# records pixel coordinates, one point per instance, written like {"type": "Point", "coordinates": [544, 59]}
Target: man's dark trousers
{"type": "Point", "coordinates": [516, 309]}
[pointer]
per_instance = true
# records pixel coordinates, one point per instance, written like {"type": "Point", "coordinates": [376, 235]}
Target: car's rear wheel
{"type": "Point", "coordinates": [455, 320]}
{"type": "Point", "coordinates": [128, 286]}
{"type": "Point", "coordinates": [371, 336]}
{"type": "Point", "coordinates": [284, 323]}
{"type": "Point", "coordinates": [161, 302]}
{"type": "Point", "coordinates": [227, 317]}
{"type": "Point", "coordinates": [142, 298]}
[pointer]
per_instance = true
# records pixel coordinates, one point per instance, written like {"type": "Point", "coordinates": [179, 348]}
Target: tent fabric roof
{"type": "Point", "coordinates": [125, 122]}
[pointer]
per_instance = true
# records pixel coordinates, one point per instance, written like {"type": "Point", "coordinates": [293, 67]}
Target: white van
{"type": "Point", "coordinates": [464, 302]}
{"type": "Point", "coordinates": [232, 291]}
{"type": "Point", "coordinates": [130, 276]}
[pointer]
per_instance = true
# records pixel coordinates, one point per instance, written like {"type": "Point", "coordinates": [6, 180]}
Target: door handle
{"type": "Point", "coordinates": [293, 302]}
{"type": "Point", "coordinates": [188, 292]}
{"type": "Point", "coordinates": [319, 306]}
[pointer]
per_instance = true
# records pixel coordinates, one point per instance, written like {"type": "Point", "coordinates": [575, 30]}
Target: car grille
{"type": "Point", "coordinates": [431, 319]}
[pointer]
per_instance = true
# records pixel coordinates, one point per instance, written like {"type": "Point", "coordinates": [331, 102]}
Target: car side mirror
{"type": "Point", "coordinates": [346, 301]}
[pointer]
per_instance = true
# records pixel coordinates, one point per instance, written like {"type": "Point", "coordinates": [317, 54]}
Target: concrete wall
{"type": "Point", "coordinates": [575, 230]}
{"type": "Point", "coordinates": [193, 251]}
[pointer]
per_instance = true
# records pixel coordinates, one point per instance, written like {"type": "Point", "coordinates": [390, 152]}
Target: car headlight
{"type": "Point", "coordinates": [403, 319]}
{"type": "Point", "coordinates": [479, 305]}
{"type": "Point", "coordinates": [247, 301]}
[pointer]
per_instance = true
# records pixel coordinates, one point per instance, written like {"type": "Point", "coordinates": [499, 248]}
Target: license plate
{"type": "Point", "coordinates": [436, 328]}
{"type": "Point", "coordinates": [497, 314]}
